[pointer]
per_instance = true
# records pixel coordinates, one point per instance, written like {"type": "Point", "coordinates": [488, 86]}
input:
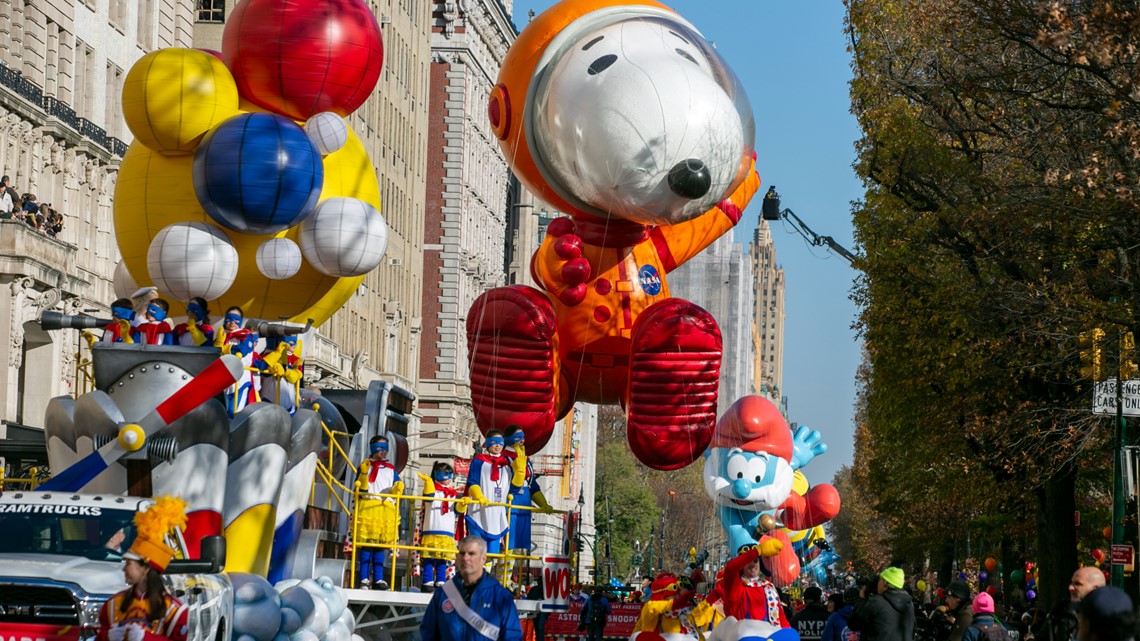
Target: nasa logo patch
{"type": "Point", "coordinates": [650, 280]}
{"type": "Point", "coordinates": [447, 607]}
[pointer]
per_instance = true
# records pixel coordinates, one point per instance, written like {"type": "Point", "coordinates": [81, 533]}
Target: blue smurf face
{"type": "Point", "coordinates": [754, 481]}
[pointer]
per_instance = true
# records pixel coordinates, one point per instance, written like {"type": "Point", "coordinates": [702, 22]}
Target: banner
{"type": "Point", "coordinates": [555, 583]}
{"type": "Point", "coordinates": [618, 626]}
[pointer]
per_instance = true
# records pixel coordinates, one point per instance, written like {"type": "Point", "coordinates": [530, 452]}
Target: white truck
{"type": "Point", "coordinates": [61, 558]}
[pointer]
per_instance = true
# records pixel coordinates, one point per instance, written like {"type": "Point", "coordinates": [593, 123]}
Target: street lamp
{"type": "Point", "coordinates": [578, 538]}
{"type": "Point", "coordinates": [609, 541]}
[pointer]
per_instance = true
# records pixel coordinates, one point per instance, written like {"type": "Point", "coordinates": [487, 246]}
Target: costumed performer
{"type": "Point", "coordinates": [490, 480]}
{"type": "Point", "coordinates": [196, 331]}
{"type": "Point", "coordinates": [379, 521]}
{"type": "Point", "coordinates": [155, 328]}
{"type": "Point", "coordinates": [119, 330]}
{"type": "Point", "coordinates": [747, 593]}
{"type": "Point", "coordinates": [281, 370]}
{"type": "Point", "coordinates": [233, 339]}
{"type": "Point", "coordinates": [657, 614]}
{"type": "Point", "coordinates": [145, 611]}
{"type": "Point", "coordinates": [525, 495]}
{"type": "Point", "coordinates": [439, 524]}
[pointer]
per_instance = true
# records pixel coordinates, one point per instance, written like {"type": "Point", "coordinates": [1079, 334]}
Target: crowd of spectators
{"type": "Point", "coordinates": [26, 208]}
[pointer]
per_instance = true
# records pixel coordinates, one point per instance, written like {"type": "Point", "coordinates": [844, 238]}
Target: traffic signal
{"type": "Point", "coordinates": [1092, 354]}
{"type": "Point", "coordinates": [1128, 368]}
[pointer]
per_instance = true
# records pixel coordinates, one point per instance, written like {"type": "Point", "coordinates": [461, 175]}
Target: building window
{"type": "Point", "coordinates": [211, 10]}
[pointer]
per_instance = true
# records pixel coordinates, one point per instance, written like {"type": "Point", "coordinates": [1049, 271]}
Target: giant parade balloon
{"type": "Point", "coordinates": [230, 161]}
{"type": "Point", "coordinates": [620, 114]}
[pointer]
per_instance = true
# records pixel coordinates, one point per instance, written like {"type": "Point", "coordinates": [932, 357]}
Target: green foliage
{"type": "Point", "coordinates": [1000, 157]}
{"type": "Point", "coordinates": [634, 507]}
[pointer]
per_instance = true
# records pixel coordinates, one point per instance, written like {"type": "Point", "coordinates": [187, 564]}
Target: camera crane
{"type": "Point", "coordinates": [771, 211]}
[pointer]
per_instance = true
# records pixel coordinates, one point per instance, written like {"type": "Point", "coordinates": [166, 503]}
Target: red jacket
{"type": "Point", "coordinates": [751, 600]}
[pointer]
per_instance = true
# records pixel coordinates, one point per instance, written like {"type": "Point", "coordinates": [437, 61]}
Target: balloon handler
{"type": "Point", "coordinates": [748, 590]}
{"type": "Point", "coordinates": [145, 611]}
{"type": "Point", "coordinates": [439, 524]}
{"type": "Point", "coordinates": [378, 519]}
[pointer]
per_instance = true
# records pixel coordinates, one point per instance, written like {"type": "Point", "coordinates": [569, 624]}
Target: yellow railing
{"type": "Point", "coordinates": [30, 482]}
{"type": "Point", "coordinates": [84, 374]}
{"type": "Point", "coordinates": [507, 557]}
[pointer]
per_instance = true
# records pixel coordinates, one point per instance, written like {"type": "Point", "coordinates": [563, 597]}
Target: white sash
{"type": "Point", "coordinates": [481, 625]}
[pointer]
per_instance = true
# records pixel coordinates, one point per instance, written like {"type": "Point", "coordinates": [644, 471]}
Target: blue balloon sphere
{"type": "Point", "coordinates": [258, 173]}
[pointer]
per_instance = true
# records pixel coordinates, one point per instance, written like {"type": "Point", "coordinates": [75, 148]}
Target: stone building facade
{"type": "Point", "coordinates": [768, 313]}
{"type": "Point", "coordinates": [719, 279]}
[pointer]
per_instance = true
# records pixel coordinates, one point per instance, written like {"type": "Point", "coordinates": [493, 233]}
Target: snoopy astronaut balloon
{"type": "Point", "coordinates": [622, 116]}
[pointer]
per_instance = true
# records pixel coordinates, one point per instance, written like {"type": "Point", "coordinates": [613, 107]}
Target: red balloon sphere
{"type": "Point", "coordinates": [298, 58]}
{"type": "Point", "coordinates": [991, 564]}
{"type": "Point", "coordinates": [1098, 554]}
{"type": "Point", "coordinates": [991, 590]}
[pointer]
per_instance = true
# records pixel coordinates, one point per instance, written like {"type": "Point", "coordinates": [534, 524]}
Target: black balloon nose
{"type": "Point", "coordinates": [690, 179]}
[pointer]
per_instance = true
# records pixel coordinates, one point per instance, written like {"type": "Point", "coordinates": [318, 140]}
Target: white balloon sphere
{"type": "Point", "coordinates": [278, 258]}
{"type": "Point", "coordinates": [327, 131]}
{"type": "Point", "coordinates": [344, 237]}
{"type": "Point", "coordinates": [192, 259]}
{"type": "Point", "coordinates": [123, 283]}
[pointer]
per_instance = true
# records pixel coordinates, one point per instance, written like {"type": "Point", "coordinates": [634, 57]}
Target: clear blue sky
{"type": "Point", "coordinates": [792, 59]}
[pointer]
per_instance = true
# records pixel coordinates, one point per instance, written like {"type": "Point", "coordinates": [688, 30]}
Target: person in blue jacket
{"type": "Point", "coordinates": [840, 608]}
{"type": "Point", "coordinates": [472, 606]}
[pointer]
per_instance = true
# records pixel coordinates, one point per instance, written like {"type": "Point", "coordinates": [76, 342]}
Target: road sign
{"type": "Point", "coordinates": [1104, 397]}
{"type": "Point", "coordinates": [1123, 555]}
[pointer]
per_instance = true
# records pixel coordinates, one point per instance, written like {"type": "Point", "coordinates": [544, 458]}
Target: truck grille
{"type": "Point", "coordinates": [37, 604]}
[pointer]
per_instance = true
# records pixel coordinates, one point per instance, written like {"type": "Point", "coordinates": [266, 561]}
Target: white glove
{"type": "Point", "coordinates": [135, 632]}
{"type": "Point", "coordinates": [116, 633]}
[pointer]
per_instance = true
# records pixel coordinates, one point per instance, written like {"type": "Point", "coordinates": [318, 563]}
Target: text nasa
{"type": "Point", "coordinates": [74, 510]}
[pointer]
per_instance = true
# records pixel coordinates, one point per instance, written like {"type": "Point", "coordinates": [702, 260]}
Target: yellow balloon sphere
{"type": "Point", "coordinates": [921, 585]}
{"type": "Point", "coordinates": [172, 97]}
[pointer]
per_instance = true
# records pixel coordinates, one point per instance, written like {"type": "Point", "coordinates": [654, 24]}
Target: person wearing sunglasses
{"type": "Point", "coordinates": [439, 523]}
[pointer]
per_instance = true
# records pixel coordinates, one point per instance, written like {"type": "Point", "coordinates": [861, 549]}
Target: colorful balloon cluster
{"type": "Point", "coordinates": [224, 195]}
